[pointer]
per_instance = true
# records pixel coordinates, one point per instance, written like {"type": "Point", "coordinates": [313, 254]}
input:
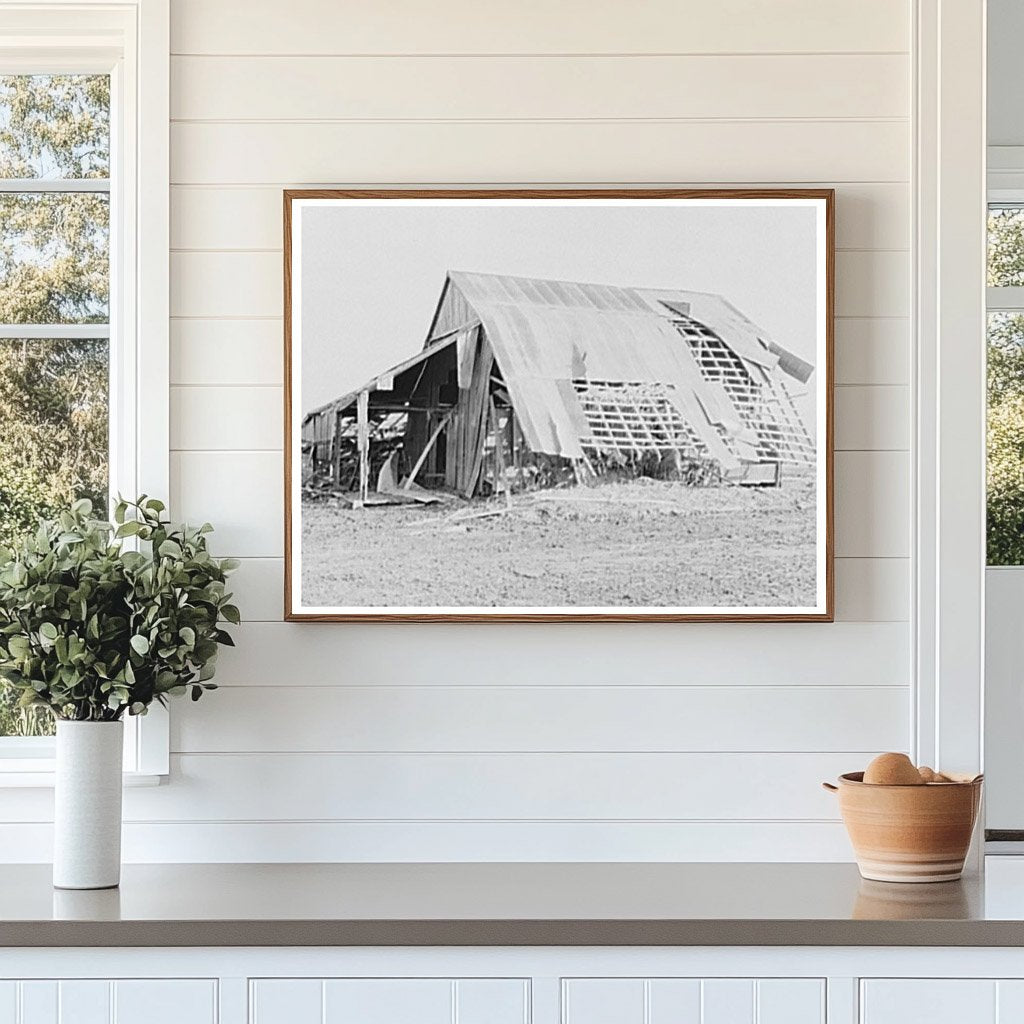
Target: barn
{"type": "Point", "coordinates": [523, 382]}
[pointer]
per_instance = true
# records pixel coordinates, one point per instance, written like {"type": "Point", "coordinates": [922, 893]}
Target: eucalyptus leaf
{"type": "Point", "coordinates": [93, 631]}
{"type": "Point", "coordinates": [231, 613]}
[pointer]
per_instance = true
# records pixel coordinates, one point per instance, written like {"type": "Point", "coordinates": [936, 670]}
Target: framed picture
{"type": "Point", "coordinates": [558, 405]}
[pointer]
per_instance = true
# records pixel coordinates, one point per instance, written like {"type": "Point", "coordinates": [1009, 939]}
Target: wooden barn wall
{"type": "Point", "coordinates": [594, 742]}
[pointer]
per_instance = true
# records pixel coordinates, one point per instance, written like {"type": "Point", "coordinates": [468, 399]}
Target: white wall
{"type": "Point", "coordinates": [692, 741]}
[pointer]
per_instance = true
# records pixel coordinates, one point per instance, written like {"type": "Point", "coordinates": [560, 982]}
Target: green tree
{"type": "Point", "coordinates": [54, 448]}
{"type": "Point", "coordinates": [1005, 477]}
{"type": "Point", "coordinates": [1005, 356]}
{"type": "Point", "coordinates": [1005, 498]}
{"type": "Point", "coordinates": [53, 270]}
{"type": "Point", "coordinates": [1005, 247]}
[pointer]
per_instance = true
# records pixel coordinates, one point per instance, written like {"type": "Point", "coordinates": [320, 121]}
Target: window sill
{"type": "Point", "coordinates": [39, 774]}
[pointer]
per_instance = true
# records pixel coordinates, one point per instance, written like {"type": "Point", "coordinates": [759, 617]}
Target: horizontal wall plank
{"type": "Point", "coordinates": [867, 589]}
{"type": "Point", "coordinates": [239, 418]}
{"type": "Point", "coordinates": [241, 493]}
{"type": "Point", "coordinates": [536, 87]}
{"type": "Point", "coordinates": [243, 787]}
{"type": "Point", "coordinates": [461, 26]}
{"type": "Point", "coordinates": [258, 586]}
{"type": "Point", "coordinates": [872, 350]}
{"type": "Point", "coordinates": [233, 284]}
{"type": "Point", "coordinates": [240, 217]}
{"type": "Point", "coordinates": [705, 654]}
{"type": "Point", "coordinates": [484, 787]}
{"type": "Point", "coordinates": [251, 418]}
{"type": "Point", "coordinates": [872, 504]}
{"type": "Point", "coordinates": [462, 842]}
{"type": "Point", "coordinates": [554, 718]}
{"type": "Point", "coordinates": [868, 216]}
{"type": "Point", "coordinates": [568, 151]}
{"type": "Point", "coordinates": [223, 352]}
{"type": "Point", "coordinates": [873, 283]}
{"type": "Point", "coordinates": [872, 418]}
{"type": "Point", "coordinates": [872, 590]}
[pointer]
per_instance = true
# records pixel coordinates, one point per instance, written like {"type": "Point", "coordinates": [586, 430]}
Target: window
{"type": "Point", "coordinates": [84, 125]}
{"type": "Point", "coordinates": [1005, 477]}
{"type": "Point", "coordinates": [54, 309]}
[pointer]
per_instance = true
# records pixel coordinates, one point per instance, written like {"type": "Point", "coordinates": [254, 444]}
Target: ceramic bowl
{"type": "Point", "coordinates": [909, 833]}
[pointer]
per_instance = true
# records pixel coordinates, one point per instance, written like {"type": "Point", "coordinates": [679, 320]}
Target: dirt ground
{"type": "Point", "coordinates": [636, 544]}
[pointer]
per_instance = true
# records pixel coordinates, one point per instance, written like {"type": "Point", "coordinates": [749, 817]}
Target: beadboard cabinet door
{"type": "Point", "coordinates": [934, 1001]}
{"type": "Point", "coordinates": [101, 1001]}
{"type": "Point", "coordinates": [693, 1001]}
{"type": "Point", "coordinates": [388, 1001]}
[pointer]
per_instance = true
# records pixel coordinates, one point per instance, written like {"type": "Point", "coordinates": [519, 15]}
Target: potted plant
{"type": "Point", "coordinates": [99, 620]}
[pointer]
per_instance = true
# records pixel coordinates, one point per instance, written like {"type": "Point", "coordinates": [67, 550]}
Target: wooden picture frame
{"type": "Point", "coordinates": [510, 406]}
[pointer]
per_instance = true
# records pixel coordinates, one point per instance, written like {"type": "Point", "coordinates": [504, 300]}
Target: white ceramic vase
{"type": "Point", "coordinates": [87, 806]}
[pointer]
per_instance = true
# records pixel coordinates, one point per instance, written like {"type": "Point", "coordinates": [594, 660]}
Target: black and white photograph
{"type": "Point", "coordinates": [564, 405]}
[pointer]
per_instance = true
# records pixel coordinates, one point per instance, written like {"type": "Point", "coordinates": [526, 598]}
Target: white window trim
{"type": "Point", "coordinates": [1005, 188]}
{"type": "Point", "coordinates": [949, 444]}
{"type": "Point", "coordinates": [131, 41]}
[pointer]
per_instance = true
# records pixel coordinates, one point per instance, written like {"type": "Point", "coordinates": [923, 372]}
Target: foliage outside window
{"type": "Point", "coordinates": [54, 309]}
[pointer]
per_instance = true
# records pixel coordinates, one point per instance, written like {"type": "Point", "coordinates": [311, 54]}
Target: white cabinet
{"type": "Point", "coordinates": [95, 1001]}
{"type": "Point", "coordinates": [941, 1001]}
{"type": "Point", "coordinates": [388, 1001]}
{"type": "Point", "coordinates": [512, 985]}
{"type": "Point", "coordinates": [693, 1001]}
{"type": "Point", "coordinates": [507, 1001]}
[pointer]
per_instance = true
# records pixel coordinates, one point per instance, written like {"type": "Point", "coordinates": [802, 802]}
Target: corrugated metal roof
{"type": "Point", "coordinates": [544, 332]}
{"type": "Point", "coordinates": [503, 288]}
{"type": "Point", "coordinates": [742, 335]}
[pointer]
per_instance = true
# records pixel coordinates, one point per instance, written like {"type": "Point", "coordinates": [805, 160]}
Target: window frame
{"type": "Point", "coordinates": [1004, 298]}
{"type": "Point", "coordinates": [1002, 713]}
{"type": "Point", "coordinates": [130, 41]}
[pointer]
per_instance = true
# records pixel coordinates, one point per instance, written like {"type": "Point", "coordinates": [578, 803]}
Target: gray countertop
{"type": "Point", "coordinates": [504, 904]}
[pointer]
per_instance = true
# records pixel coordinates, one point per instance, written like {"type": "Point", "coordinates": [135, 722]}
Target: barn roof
{"type": "Point", "coordinates": [749, 341]}
{"type": "Point", "coordinates": [546, 334]}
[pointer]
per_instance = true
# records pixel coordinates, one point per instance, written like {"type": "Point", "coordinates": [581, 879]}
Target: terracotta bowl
{"type": "Point", "coordinates": [909, 833]}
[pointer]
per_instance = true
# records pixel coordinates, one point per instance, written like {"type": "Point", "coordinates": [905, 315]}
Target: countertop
{"type": "Point", "coordinates": [650, 904]}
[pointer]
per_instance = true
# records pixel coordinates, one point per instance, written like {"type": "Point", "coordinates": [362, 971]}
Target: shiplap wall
{"type": "Point", "coordinates": [690, 741]}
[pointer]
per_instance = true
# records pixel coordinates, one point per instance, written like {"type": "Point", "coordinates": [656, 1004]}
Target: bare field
{"type": "Point", "coordinates": [638, 544]}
